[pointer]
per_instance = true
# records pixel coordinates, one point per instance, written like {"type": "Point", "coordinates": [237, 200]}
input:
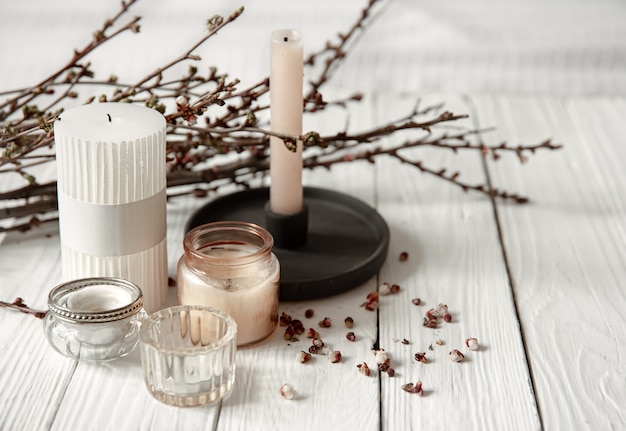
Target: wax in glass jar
{"type": "Point", "coordinates": [230, 266]}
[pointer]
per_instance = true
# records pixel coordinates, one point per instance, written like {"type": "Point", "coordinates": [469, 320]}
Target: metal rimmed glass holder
{"type": "Point", "coordinates": [94, 319]}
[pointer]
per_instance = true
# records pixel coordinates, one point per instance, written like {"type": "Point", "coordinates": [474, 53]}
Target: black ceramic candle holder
{"type": "Point", "coordinates": [335, 244]}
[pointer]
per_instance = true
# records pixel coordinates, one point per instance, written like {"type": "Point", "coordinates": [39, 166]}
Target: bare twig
{"type": "Point", "coordinates": [19, 305]}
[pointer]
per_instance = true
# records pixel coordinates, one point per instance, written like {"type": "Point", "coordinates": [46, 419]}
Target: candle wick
{"type": "Point", "coordinates": [109, 115]}
{"type": "Point", "coordinates": [285, 39]}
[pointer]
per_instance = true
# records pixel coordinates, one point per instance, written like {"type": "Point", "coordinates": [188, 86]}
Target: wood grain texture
{"type": "Point", "coordinates": [567, 251]}
{"type": "Point", "coordinates": [455, 258]}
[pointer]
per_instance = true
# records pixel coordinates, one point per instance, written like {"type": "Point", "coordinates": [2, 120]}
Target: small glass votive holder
{"type": "Point", "coordinates": [188, 355]}
{"type": "Point", "coordinates": [94, 319]}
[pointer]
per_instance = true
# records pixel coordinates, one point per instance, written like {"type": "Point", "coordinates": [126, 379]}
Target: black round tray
{"type": "Point", "coordinates": [346, 245]}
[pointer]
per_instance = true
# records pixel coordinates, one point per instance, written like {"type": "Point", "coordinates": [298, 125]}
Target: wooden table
{"type": "Point", "coordinates": [540, 285]}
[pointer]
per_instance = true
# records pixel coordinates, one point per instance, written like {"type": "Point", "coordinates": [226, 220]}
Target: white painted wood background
{"type": "Point", "coordinates": [540, 285]}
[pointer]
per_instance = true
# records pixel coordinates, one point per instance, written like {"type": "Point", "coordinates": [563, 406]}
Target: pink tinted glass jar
{"type": "Point", "coordinates": [230, 266]}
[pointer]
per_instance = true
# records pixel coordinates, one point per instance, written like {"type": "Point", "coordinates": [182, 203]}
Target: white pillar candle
{"type": "Point", "coordinates": [112, 195]}
{"type": "Point", "coordinates": [286, 75]}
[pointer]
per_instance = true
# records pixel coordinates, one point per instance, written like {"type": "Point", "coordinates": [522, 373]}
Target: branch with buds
{"type": "Point", "coordinates": [209, 117]}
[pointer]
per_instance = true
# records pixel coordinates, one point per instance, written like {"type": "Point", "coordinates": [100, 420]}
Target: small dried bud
{"type": "Point", "coordinates": [312, 333]}
{"type": "Point", "coordinates": [285, 319]}
{"type": "Point", "coordinates": [384, 289]}
{"type": "Point", "coordinates": [382, 359]}
{"type": "Point", "coordinates": [315, 350]}
{"type": "Point", "coordinates": [303, 357]}
{"type": "Point", "coordinates": [334, 356]}
{"type": "Point", "coordinates": [421, 357]}
{"type": "Point", "coordinates": [395, 288]}
{"type": "Point", "coordinates": [326, 323]}
{"type": "Point", "coordinates": [447, 317]}
{"type": "Point", "coordinates": [372, 297]}
{"type": "Point", "coordinates": [405, 341]}
{"type": "Point", "coordinates": [404, 256]}
{"type": "Point", "coordinates": [440, 342]}
{"type": "Point", "coordinates": [472, 343]}
{"type": "Point", "coordinates": [309, 313]}
{"type": "Point", "coordinates": [413, 388]}
{"type": "Point", "coordinates": [441, 310]}
{"type": "Point", "coordinates": [351, 336]}
{"type": "Point", "coordinates": [430, 322]}
{"type": "Point", "coordinates": [349, 321]}
{"type": "Point", "coordinates": [297, 326]}
{"type": "Point", "coordinates": [364, 369]}
{"type": "Point", "coordinates": [287, 392]}
{"type": "Point", "coordinates": [182, 101]}
{"type": "Point", "coordinates": [416, 301]}
{"type": "Point", "coordinates": [289, 333]}
{"type": "Point", "coordinates": [370, 306]}
{"type": "Point", "coordinates": [391, 372]}
{"type": "Point", "coordinates": [317, 342]}
{"type": "Point", "coordinates": [456, 356]}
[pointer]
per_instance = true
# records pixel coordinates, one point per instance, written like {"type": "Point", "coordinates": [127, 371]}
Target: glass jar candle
{"type": "Point", "coordinates": [94, 319]}
{"type": "Point", "coordinates": [230, 266]}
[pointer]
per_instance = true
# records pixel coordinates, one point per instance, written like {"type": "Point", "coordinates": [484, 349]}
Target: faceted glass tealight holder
{"type": "Point", "coordinates": [188, 355]}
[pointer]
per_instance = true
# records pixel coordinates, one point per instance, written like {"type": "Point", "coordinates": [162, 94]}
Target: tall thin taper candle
{"type": "Point", "coordinates": [111, 194]}
{"type": "Point", "coordinates": [286, 75]}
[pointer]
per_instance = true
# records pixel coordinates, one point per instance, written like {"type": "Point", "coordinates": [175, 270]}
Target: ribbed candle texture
{"type": "Point", "coordinates": [111, 185]}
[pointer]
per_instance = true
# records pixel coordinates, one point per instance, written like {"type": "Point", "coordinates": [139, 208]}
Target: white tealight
{"type": "Point", "coordinates": [99, 297]}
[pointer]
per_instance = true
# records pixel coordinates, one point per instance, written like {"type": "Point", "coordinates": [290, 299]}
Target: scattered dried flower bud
{"type": "Point", "coordinates": [289, 333]}
{"type": "Point", "coordinates": [287, 392]}
{"type": "Point", "coordinates": [372, 297]}
{"type": "Point", "coordinates": [441, 310]}
{"type": "Point", "coordinates": [382, 358]}
{"type": "Point", "coordinates": [334, 356]}
{"type": "Point", "coordinates": [312, 333]}
{"type": "Point", "coordinates": [456, 356]}
{"type": "Point", "coordinates": [303, 357]}
{"type": "Point", "coordinates": [317, 342]}
{"type": "Point", "coordinates": [298, 327]}
{"type": "Point", "coordinates": [370, 306]}
{"type": "Point", "coordinates": [405, 341]}
{"type": "Point", "coordinates": [371, 303]}
{"type": "Point", "coordinates": [413, 388]}
{"type": "Point", "coordinates": [421, 357]}
{"type": "Point", "coordinates": [285, 319]}
{"type": "Point", "coordinates": [472, 343]}
{"type": "Point", "coordinates": [315, 350]}
{"type": "Point", "coordinates": [395, 288]}
{"type": "Point", "coordinates": [349, 321]}
{"type": "Point", "coordinates": [326, 323]}
{"type": "Point", "coordinates": [309, 313]}
{"type": "Point", "coordinates": [351, 336]}
{"type": "Point", "coordinates": [431, 314]}
{"type": "Point", "coordinates": [440, 342]}
{"type": "Point", "coordinates": [430, 322]}
{"type": "Point", "coordinates": [416, 301]}
{"type": "Point", "coordinates": [404, 256]}
{"type": "Point", "coordinates": [447, 317]}
{"type": "Point", "coordinates": [364, 369]}
{"type": "Point", "coordinates": [384, 289]}
{"type": "Point", "coordinates": [391, 372]}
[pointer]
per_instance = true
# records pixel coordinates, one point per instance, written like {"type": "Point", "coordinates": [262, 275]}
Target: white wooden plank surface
{"type": "Point", "coordinates": [567, 253]}
{"type": "Point", "coordinates": [567, 249]}
{"type": "Point", "coordinates": [455, 258]}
